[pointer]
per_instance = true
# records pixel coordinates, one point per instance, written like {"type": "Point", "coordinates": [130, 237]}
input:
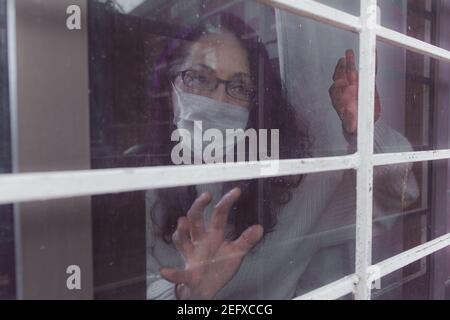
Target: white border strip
{"type": "Point", "coordinates": [318, 12]}
{"type": "Point", "coordinates": [332, 291]}
{"type": "Point", "coordinates": [63, 184]}
{"type": "Point", "coordinates": [382, 159]}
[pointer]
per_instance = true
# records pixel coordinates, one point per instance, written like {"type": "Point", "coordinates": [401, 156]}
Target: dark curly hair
{"type": "Point", "coordinates": [270, 111]}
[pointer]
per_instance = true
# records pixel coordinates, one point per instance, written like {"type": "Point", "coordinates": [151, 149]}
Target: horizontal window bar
{"type": "Point", "coordinates": [91, 182]}
{"type": "Point", "coordinates": [63, 184]}
{"type": "Point", "coordinates": [332, 291]}
{"type": "Point", "coordinates": [410, 43]}
{"type": "Point", "coordinates": [403, 259]}
{"type": "Point", "coordinates": [382, 159]}
{"type": "Point", "coordinates": [318, 12]}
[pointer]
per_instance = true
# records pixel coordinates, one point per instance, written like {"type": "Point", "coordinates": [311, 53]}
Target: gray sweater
{"type": "Point", "coordinates": [311, 230]}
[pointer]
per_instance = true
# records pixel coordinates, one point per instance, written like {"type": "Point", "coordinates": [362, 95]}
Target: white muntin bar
{"type": "Point", "coordinates": [364, 179]}
{"type": "Point", "coordinates": [13, 116]}
{"type": "Point", "coordinates": [404, 157]}
{"type": "Point", "coordinates": [12, 79]}
{"type": "Point", "coordinates": [64, 184]}
{"type": "Point", "coordinates": [410, 43]}
{"type": "Point", "coordinates": [405, 258]}
{"type": "Point", "coordinates": [318, 12]}
{"type": "Point", "coordinates": [332, 291]}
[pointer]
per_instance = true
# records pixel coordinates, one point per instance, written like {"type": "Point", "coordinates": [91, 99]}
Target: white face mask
{"type": "Point", "coordinates": [213, 114]}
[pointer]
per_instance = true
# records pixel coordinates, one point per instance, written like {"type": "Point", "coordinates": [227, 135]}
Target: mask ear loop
{"type": "Point", "coordinates": [175, 106]}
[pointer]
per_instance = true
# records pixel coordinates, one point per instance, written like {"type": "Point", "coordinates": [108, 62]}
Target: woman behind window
{"type": "Point", "coordinates": [246, 239]}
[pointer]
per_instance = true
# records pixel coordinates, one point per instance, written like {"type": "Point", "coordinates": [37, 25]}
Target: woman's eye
{"type": "Point", "coordinates": [238, 88]}
{"type": "Point", "coordinates": [202, 79]}
{"type": "Point", "coordinates": [242, 90]}
{"type": "Point", "coordinates": [196, 80]}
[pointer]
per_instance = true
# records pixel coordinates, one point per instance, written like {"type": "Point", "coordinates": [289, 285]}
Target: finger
{"type": "Point", "coordinates": [248, 238]}
{"type": "Point", "coordinates": [376, 61]}
{"type": "Point", "coordinates": [221, 210]}
{"type": "Point", "coordinates": [181, 238]}
{"type": "Point", "coordinates": [377, 111]}
{"type": "Point", "coordinates": [195, 216]}
{"type": "Point", "coordinates": [174, 275]}
{"type": "Point", "coordinates": [339, 71]}
{"type": "Point", "coordinates": [352, 74]}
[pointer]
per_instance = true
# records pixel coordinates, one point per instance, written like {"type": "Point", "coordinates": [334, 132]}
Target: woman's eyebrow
{"type": "Point", "coordinates": [235, 75]}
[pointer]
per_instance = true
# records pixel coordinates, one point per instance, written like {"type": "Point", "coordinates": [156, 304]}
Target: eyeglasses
{"type": "Point", "coordinates": [242, 89]}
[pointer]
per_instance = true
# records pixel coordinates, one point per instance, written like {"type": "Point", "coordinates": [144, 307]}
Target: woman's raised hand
{"type": "Point", "coordinates": [210, 260]}
{"type": "Point", "coordinates": [344, 93]}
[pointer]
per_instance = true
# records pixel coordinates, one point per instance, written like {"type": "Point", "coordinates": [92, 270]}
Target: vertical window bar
{"type": "Point", "coordinates": [12, 74]}
{"type": "Point", "coordinates": [364, 180]}
{"type": "Point", "coordinates": [13, 102]}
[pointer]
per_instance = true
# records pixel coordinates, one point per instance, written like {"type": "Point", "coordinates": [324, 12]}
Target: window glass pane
{"type": "Point", "coordinates": [147, 81]}
{"type": "Point", "coordinates": [7, 273]}
{"type": "Point", "coordinates": [301, 237]}
{"type": "Point", "coordinates": [306, 243]}
{"type": "Point", "coordinates": [349, 6]}
{"type": "Point", "coordinates": [415, 210]}
{"type": "Point", "coordinates": [414, 96]}
{"type": "Point", "coordinates": [132, 103]}
{"type": "Point", "coordinates": [310, 55]}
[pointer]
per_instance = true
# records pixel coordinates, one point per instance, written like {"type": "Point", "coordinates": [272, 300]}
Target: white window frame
{"type": "Point", "coordinates": [21, 187]}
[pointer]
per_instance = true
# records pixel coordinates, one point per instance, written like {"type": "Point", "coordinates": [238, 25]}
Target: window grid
{"type": "Point", "coordinates": [22, 187]}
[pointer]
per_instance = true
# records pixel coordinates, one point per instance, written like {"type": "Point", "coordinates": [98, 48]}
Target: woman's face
{"type": "Point", "coordinates": [220, 55]}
